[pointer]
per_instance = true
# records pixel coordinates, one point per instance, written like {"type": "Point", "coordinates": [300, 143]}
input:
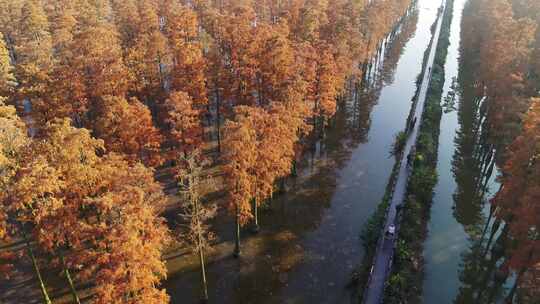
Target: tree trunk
{"type": "Point", "coordinates": [204, 285]}
{"type": "Point", "coordinates": [282, 186]}
{"type": "Point", "coordinates": [494, 229]}
{"type": "Point", "coordinates": [218, 120]}
{"type": "Point", "coordinates": [70, 281]}
{"type": "Point", "coordinates": [256, 227]}
{"type": "Point", "coordinates": [483, 287]}
{"type": "Point", "coordinates": [492, 209]}
{"type": "Point", "coordinates": [487, 176]}
{"type": "Point", "coordinates": [510, 298]}
{"type": "Point", "coordinates": [294, 172]}
{"type": "Point", "coordinates": [44, 292]}
{"type": "Point", "coordinates": [236, 252]}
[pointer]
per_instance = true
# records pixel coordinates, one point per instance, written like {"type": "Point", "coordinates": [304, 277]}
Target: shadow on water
{"type": "Point", "coordinates": [309, 243]}
{"type": "Point", "coordinates": [467, 173]}
{"type": "Point", "coordinates": [474, 171]}
{"type": "Point", "coordinates": [468, 248]}
{"type": "Point", "coordinates": [484, 274]}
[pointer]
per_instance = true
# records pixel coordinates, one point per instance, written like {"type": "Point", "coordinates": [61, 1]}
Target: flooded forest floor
{"type": "Point", "coordinates": [309, 244]}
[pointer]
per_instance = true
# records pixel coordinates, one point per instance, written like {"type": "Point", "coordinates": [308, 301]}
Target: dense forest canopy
{"type": "Point", "coordinates": [99, 94]}
{"type": "Point", "coordinates": [99, 97]}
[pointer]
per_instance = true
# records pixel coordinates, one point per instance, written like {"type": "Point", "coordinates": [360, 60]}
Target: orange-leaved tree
{"type": "Point", "coordinates": [127, 127]}
{"type": "Point", "coordinates": [182, 123]}
{"type": "Point", "coordinates": [13, 142]}
{"type": "Point", "coordinates": [7, 78]}
{"type": "Point", "coordinates": [95, 215]}
{"type": "Point", "coordinates": [181, 27]}
{"type": "Point", "coordinates": [518, 201]}
{"type": "Point", "coordinates": [240, 153]}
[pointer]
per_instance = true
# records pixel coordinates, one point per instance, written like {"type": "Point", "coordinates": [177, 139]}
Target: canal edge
{"type": "Point", "coordinates": [376, 224]}
{"type": "Point", "coordinates": [405, 280]}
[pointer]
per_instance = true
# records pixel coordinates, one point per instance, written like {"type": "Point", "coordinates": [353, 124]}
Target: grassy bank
{"type": "Point", "coordinates": [406, 280]}
{"type": "Point", "coordinates": [372, 229]}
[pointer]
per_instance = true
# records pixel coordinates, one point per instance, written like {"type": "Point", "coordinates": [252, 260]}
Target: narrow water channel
{"type": "Point", "coordinates": [457, 266]}
{"type": "Point", "coordinates": [309, 243]}
{"type": "Point", "coordinates": [446, 238]}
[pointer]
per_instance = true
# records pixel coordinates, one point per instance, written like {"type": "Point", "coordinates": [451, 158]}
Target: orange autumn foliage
{"type": "Point", "coordinates": [129, 71]}
{"type": "Point", "coordinates": [126, 127]}
{"type": "Point", "coordinates": [188, 64]}
{"type": "Point", "coordinates": [518, 201]}
{"type": "Point", "coordinates": [13, 143]}
{"type": "Point", "coordinates": [240, 153]}
{"type": "Point", "coordinates": [327, 86]}
{"type": "Point", "coordinates": [182, 119]}
{"type": "Point", "coordinates": [100, 210]}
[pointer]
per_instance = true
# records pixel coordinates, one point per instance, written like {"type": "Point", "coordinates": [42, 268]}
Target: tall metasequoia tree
{"type": "Point", "coordinates": [344, 34]}
{"type": "Point", "coordinates": [518, 199]}
{"type": "Point", "coordinates": [506, 51]}
{"type": "Point", "coordinates": [313, 18]}
{"type": "Point", "coordinates": [99, 214]}
{"type": "Point", "coordinates": [231, 57]}
{"type": "Point", "coordinates": [33, 53]}
{"type": "Point", "coordinates": [182, 123]}
{"type": "Point", "coordinates": [126, 127]}
{"type": "Point", "coordinates": [63, 28]}
{"type": "Point", "coordinates": [62, 95]}
{"type": "Point", "coordinates": [326, 87]}
{"type": "Point", "coordinates": [89, 67]}
{"type": "Point", "coordinates": [33, 49]}
{"type": "Point", "coordinates": [274, 57]}
{"type": "Point", "coordinates": [235, 36]}
{"type": "Point", "coordinates": [187, 74]}
{"type": "Point", "coordinates": [10, 12]}
{"type": "Point", "coordinates": [13, 140]}
{"type": "Point", "coordinates": [7, 78]}
{"type": "Point", "coordinates": [16, 216]}
{"type": "Point", "coordinates": [128, 21]}
{"type": "Point", "coordinates": [147, 51]}
{"type": "Point", "coordinates": [258, 172]}
{"type": "Point", "coordinates": [135, 236]}
{"type": "Point", "coordinates": [97, 68]}
{"type": "Point", "coordinates": [275, 141]}
{"type": "Point", "coordinates": [240, 153]}
{"type": "Point", "coordinates": [196, 231]}
{"type": "Point", "coordinates": [507, 46]}
{"type": "Point", "coordinates": [93, 13]}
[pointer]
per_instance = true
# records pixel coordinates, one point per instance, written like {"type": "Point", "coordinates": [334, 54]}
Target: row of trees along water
{"type": "Point", "coordinates": [500, 119]}
{"type": "Point", "coordinates": [98, 94]}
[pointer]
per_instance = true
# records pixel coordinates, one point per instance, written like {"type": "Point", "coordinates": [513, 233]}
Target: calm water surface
{"type": "Point", "coordinates": [309, 242]}
{"type": "Point", "coordinates": [447, 238]}
{"type": "Point", "coordinates": [465, 251]}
